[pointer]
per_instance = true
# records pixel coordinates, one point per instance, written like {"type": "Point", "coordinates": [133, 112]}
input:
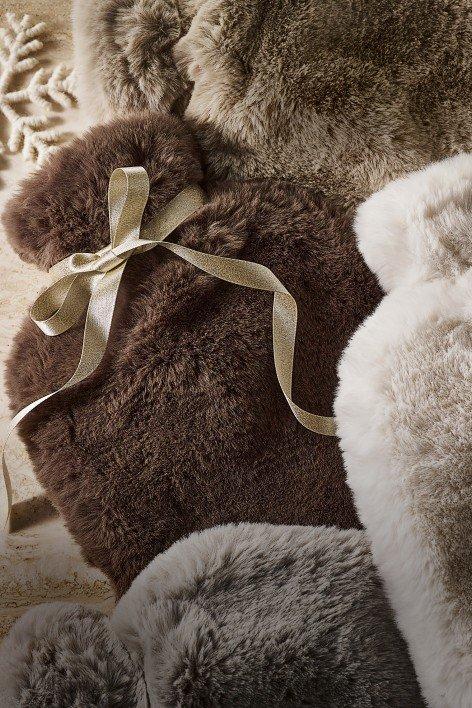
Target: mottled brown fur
{"type": "Point", "coordinates": [185, 427]}
{"type": "Point", "coordinates": [336, 94]}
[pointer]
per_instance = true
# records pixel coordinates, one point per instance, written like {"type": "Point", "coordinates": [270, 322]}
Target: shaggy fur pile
{"type": "Point", "coordinates": [404, 411]}
{"type": "Point", "coordinates": [66, 656]}
{"type": "Point", "coordinates": [338, 94]}
{"type": "Point", "coordinates": [236, 616]}
{"type": "Point", "coordinates": [185, 426]}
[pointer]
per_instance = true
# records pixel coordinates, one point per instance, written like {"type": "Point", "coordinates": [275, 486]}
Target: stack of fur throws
{"type": "Point", "coordinates": [257, 563]}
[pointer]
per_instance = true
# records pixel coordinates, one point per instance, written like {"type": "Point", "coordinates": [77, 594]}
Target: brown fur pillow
{"type": "Point", "coordinates": [185, 426]}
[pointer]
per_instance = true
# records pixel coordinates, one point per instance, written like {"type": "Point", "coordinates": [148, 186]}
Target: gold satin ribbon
{"type": "Point", "coordinates": [93, 280]}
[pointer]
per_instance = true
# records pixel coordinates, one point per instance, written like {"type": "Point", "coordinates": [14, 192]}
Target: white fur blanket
{"type": "Point", "coordinates": [404, 411]}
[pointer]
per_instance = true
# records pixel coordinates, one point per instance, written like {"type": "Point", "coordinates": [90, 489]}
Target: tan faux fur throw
{"type": "Point", "coordinates": [185, 427]}
{"type": "Point", "coordinates": [338, 94]}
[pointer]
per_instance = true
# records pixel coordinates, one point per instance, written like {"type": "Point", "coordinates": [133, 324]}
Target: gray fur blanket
{"type": "Point", "coordinates": [249, 615]}
{"type": "Point", "coordinates": [337, 94]}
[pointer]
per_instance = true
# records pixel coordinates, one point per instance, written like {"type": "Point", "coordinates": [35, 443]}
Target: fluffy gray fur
{"type": "Point", "coordinates": [66, 656]}
{"type": "Point", "coordinates": [338, 94]}
{"type": "Point", "coordinates": [248, 615]}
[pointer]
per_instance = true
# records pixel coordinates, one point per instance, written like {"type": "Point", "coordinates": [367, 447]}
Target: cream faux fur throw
{"type": "Point", "coordinates": [404, 411]}
{"type": "Point", "coordinates": [337, 94]}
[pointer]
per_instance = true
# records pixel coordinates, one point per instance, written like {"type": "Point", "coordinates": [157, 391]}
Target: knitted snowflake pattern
{"type": "Point", "coordinates": [30, 134]}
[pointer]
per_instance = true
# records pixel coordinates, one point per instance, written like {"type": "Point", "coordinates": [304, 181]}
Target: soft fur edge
{"type": "Point", "coordinates": [413, 235]}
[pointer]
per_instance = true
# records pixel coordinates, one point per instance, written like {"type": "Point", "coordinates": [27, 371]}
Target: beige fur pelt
{"type": "Point", "coordinates": [341, 95]}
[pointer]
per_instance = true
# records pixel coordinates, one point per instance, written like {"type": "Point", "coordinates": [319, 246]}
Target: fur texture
{"type": "Point", "coordinates": [123, 55]}
{"type": "Point", "coordinates": [186, 428]}
{"type": "Point", "coordinates": [404, 411]}
{"type": "Point", "coordinates": [67, 656]}
{"type": "Point", "coordinates": [338, 94]}
{"type": "Point", "coordinates": [233, 616]}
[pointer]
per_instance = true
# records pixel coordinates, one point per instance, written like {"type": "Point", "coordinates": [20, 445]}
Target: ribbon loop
{"type": "Point", "coordinates": [93, 280]}
{"type": "Point", "coordinates": [128, 194]}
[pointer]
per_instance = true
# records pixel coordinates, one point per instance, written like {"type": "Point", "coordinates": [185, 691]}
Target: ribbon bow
{"type": "Point", "coordinates": [94, 279]}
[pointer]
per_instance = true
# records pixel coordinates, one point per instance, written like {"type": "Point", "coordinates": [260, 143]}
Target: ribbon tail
{"type": "Point", "coordinates": [59, 308]}
{"type": "Point", "coordinates": [7, 501]}
{"type": "Point", "coordinates": [97, 324]}
{"type": "Point", "coordinates": [285, 316]}
{"type": "Point", "coordinates": [7, 497]}
{"type": "Point", "coordinates": [96, 334]}
{"type": "Point", "coordinates": [285, 319]}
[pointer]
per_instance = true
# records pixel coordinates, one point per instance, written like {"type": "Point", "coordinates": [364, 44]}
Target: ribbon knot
{"type": "Point", "coordinates": [103, 261]}
{"type": "Point", "coordinates": [92, 280]}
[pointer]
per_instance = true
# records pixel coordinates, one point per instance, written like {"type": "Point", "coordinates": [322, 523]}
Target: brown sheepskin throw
{"type": "Point", "coordinates": [233, 617]}
{"type": "Point", "coordinates": [184, 426]}
{"type": "Point", "coordinates": [338, 94]}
